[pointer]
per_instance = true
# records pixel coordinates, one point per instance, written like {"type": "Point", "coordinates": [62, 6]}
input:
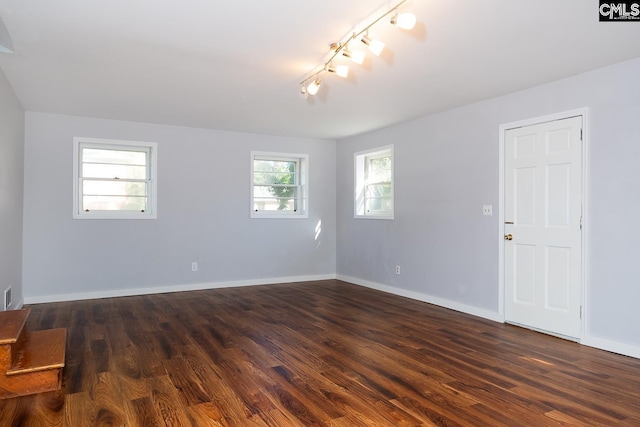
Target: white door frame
{"type": "Point", "coordinates": [501, 262]}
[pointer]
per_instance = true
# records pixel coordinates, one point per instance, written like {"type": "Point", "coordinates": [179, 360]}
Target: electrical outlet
{"type": "Point", "coordinates": [7, 298]}
{"type": "Point", "coordinates": [194, 266]}
{"type": "Point", "coordinates": [398, 270]}
{"type": "Point", "coordinates": [487, 210]}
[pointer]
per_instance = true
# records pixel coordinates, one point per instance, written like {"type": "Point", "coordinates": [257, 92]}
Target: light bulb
{"type": "Point", "coordinates": [406, 21]}
{"type": "Point", "coordinates": [340, 70]}
{"type": "Point", "coordinates": [313, 87]}
{"type": "Point", "coordinates": [356, 56]}
{"type": "Point", "coordinates": [375, 46]}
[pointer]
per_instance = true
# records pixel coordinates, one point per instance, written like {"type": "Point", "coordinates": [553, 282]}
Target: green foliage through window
{"type": "Point", "coordinates": [278, 186]}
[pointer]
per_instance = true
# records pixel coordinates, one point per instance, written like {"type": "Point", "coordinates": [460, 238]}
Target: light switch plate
{"type": "Point", "coordinates": [487, 210]}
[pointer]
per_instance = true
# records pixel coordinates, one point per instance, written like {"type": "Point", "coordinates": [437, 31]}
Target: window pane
{"type": "Point", "coordinates": [262, 191]}
{"type": "Point", "coordinates": [93, 170]}
{"type": "Point", "coordinates": [373, 193]}
{"type": "Point", "coordinates": [381, 162]}
{"type": "Point", "coordinates": [379, 190]}
{"type": "Point", "coordinates": [274, 178]}
{"type": "Point", "coordinates": [279, 181]}
{"type": "Point", "coordinates": [270, 198]}
{"type": "Point", "coordinates": [378, 197]}
{"type": "Point", "coordinates": [379, 169]}
{"type": "Point", "coordinates": [274, 172]}
{"type": "Point", "coordinates": [378, 204]}
{"type": "Point", "coordinates": [113, 176]}
{"type": "Point", "coordinates": [114, 188]}
{"type": "Point", "coordinates": [114, 203]}
{"type": "Point", "coordinates": [380, 176]}
{"type": "Point", "coordinates": [124, 157]}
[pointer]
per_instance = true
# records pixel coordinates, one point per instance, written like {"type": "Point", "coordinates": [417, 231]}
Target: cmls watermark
{"type": "Point", "coordinates": [619, 11]}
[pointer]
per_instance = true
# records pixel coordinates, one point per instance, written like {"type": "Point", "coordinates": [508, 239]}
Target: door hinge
{"type": "Point", "coordinates": [580, 134]}
{"type": "Point", "coordinates": [580, 223]}
{"type": "Point", "coordinates": [580, 312]}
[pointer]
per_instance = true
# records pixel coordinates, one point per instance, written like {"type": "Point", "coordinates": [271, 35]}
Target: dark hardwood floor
{"type": "Point", "coordinates": [316, 353]}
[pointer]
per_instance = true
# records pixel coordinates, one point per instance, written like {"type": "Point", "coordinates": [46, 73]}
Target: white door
{"type": "Point", "coordinates": [543, 221]}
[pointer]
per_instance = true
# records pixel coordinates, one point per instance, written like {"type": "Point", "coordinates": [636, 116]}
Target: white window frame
{"type": "Point", "coordinates": [361, 160]}
{"type": "Point", "coordinates": [151, 148]}
{"type": "Point", "coordinates": [302, 171]}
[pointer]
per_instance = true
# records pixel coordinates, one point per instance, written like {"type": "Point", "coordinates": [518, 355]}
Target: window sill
{"type": "Point", "coordinates": [115, 215]}
{"type": "Point", "coordinates": [372, 216]}
{"type": "Point", "coordinates": [278, 215]}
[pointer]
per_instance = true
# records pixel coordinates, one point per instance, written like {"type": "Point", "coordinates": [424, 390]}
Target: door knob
{"type": "Point", "coordinates": [508, 237]}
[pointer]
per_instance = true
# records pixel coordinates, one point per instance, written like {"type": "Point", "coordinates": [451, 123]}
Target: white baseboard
{"type": "Point", "coordinates": [173, 288]}
{"type": "Point", "coordinates": [475, 311]}
{"type": "Point", "coordinates": [612, 346]}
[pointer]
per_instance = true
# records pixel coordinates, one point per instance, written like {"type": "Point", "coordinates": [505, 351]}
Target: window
{"type": "Point", "coordinates": [279, 187]}
{"type": "Point", "coordinates": [374, 183]}
{"type": "Point", "coordinates": [114, 179]}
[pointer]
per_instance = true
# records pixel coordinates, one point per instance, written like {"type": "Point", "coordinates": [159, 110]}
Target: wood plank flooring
{"type": "Point", "coordinates": [321, 353]}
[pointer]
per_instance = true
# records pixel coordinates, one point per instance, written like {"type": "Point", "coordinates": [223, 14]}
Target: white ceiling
{"type": "Point", "coordinates": [237, 65]}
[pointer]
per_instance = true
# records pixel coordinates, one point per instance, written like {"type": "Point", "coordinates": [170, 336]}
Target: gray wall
{"type": "Point", "coordinates": [11, 182]}
{"type": "Point", "coordinates": [447, 168]}
{"type": "Point", "coordinates": [203, 214]}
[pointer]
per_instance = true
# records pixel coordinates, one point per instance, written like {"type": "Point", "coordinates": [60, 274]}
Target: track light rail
{"type": "Point", "coordinates": [311, 83]}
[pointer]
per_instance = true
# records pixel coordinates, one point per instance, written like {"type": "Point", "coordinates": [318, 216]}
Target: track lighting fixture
{"type": "Point", "coordinates": [356, 56]}
{"type": "Point", "coordinates": [313, 87]}
{"type": "Point", "coordinates": [311, 83]}
{"type": "Point", "coordinates": [375, 46]}
{"type": "Point", "coordinates": [340, 70]}
{"type": "Point", "coordinates": [406, 21]}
